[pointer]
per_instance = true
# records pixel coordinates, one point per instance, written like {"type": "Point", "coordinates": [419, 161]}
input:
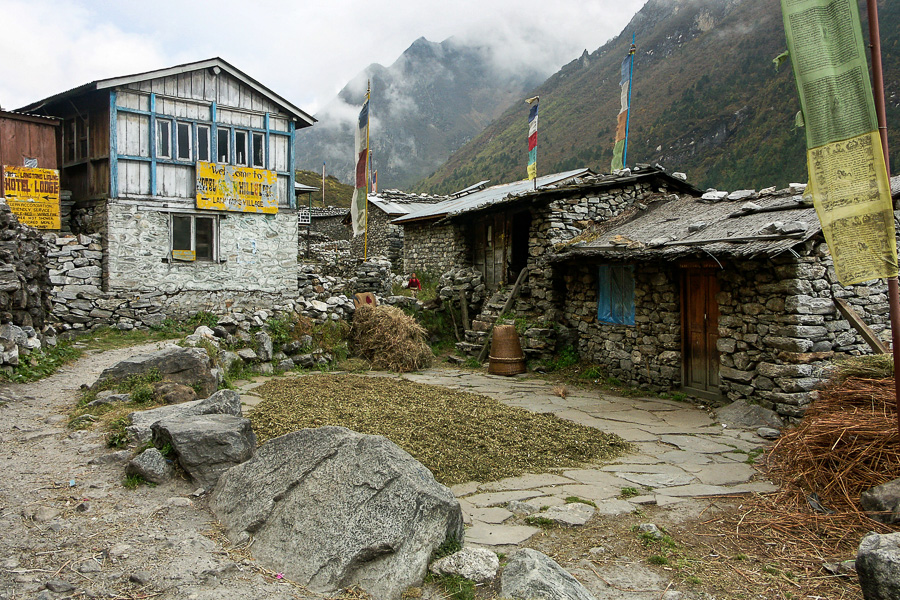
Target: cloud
{"type": "Point", "coordinates": [304, 51]}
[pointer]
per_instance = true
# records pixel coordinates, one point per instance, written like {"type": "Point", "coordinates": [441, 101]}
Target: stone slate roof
{"type": "Point", "coordinates": [674, 227]}
{"type": "Point", "coordinates": [397, 203]}
{"type": "Point", "coordinates": [321, 212]}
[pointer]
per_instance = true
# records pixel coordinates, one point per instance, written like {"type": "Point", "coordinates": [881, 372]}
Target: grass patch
{"type": "Point", "coordinates": [459, 436]}
{"type": "Point", "coordinates": [456, 587]}
{"type": "Point", "coordinates": [576, 499]}
{"type": "Point", "coordinates": [449, 546]}
{"type": "Point", "coordinates": [42, 363]}
{"type": "Point", "coordinates": [133, 482]}
{"type": "Point", "coordinates": [658, 559]}
{"type": "Point", "coordinates": [538, 521]}
{"type": "Point", "coordinates": [629, 492]}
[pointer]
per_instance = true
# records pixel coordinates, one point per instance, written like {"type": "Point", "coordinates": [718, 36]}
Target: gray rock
{"type": "Point", "coordinates": [532, 575]}
{"type": "Point", "coordinates": [59, 586]}
{"type": "Point", "coordinates": [151, 465]}
{"type": "Point", "coordinates": [523, 507]}
{"type": "Point", "coordinates": [90, 566]}
{"type": "Point", "coordinates": [307, 361]}
{"type": "Point", "coordinates": [223, 402]}
{"type": "Point", "coordinates": [743, 414]}
{"type": "Point", "coordinates": [878, 566]}
{"type": "Point", "coordinates": [768, 433]}
{"type": "Point", "coordinates": [574, 514]}
{"type": "Point", "coordinates": [371, 515]}
{"type": "Point", "coordinates": [226, 359]}
{"type": "Point", "coordinates": [248, 355]}
{"type": "Point", "coordinates": [286, 365]}
{"type": "Point", "coordinates": [475, 564]}
{"type": "Point", "coordinates": [111, 458]}
{"type": "Point", "coordinates": [109, 398]}
{"type": "Point", "coordinates": [174, 393]}
{"type": "Point", "coordinates": [651, 529]}
{"type": "Point", "coordinates": [263, 346]}
{"type": "Point", "coordinates": [882, 502]}
{"type": "Point", "coordinates": [189, 366]}
{"type": "Point", "coordinates": [207, 445]}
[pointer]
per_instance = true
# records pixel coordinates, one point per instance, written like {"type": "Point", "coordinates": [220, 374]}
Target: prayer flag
{"type": "Point", "coordinates": [532, 136]}
{"type": "Point", "coordinates": [847, 175]}
{"type": "Point", "coordinates": [620, 148]}
{"type": "Point", "coordinates": [360, 187]}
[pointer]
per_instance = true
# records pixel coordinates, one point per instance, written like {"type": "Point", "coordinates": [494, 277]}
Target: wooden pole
{"type": "Point", "coordinates": [893, 285]}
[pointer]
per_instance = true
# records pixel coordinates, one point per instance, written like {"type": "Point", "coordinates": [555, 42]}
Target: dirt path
{"type": "Point", "coordinates": [68, 524]}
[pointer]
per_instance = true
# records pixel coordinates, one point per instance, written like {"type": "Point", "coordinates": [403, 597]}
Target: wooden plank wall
{"type": "Point", "coordinates": [25, 139]}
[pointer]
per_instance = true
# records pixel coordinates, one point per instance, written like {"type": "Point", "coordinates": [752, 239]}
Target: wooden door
{"type": "Point", "coordinates": [700, 332]}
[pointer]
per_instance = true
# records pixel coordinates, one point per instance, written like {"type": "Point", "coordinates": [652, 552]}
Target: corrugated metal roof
{"type": "Point", "coordinates": [302, 188]}
{"type": "Point", "coordinates": [397, 203]}
{"type": "Point", "coordinates": [488, 196]}
{"type": "Point", "coordinates": [671, 229]}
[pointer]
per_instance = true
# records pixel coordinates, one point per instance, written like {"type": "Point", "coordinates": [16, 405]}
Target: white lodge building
{"type": "Point", "coordinates": [187, 173]}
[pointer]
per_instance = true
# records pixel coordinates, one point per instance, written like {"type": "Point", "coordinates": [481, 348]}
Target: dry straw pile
{"type": "Point", "coordinates": [389, 339]}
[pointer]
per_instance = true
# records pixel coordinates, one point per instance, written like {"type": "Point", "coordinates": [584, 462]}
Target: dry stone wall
{"type": "Point", "coordinates": [24, 283]}
{"type": "Point", "coordinates": [433, 248]}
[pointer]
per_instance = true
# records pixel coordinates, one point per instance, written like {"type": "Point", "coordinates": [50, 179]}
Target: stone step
{"type": "Point", "coordinates": [468, 348]}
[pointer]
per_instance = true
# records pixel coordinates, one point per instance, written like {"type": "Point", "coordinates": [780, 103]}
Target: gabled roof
{"type": "Point", "coordinates": [211, 63]}
{"type": "Point", "coordinates": [673, 227]}
{"type": "Point", "coordinates": [495, 194]}
{"type": "Point", "coordinates": [396, 203]}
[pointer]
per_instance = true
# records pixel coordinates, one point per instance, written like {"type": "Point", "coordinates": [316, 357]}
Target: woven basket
{"type": "Point", "coordinates": [506, 352]}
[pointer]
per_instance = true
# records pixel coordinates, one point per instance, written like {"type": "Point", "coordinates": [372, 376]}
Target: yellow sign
{"type": "Point", "coordinates": [852, 197]}
{"type": "Point", "coordinates": [33, 195]}
{"type": "Point", "coordinates": [236, 189]}
{"type": "Point", "coordinates": [187, 255]}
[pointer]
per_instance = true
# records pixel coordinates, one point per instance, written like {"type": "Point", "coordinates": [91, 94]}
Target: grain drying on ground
{"type": "Point", "coordinates": [459, 436]}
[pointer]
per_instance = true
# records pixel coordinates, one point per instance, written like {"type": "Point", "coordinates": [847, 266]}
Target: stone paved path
{"type": "Point", "coordinates": [680, 453]}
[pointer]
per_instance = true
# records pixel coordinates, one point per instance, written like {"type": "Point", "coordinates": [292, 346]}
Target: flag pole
{"type": "Point", "coordinates": [628, 116]}
{"type": "Point", "coordinates": [368, 121]}
{"type": "Point", "coordinates": [323, 183]}
{"type": "Point", "coordinates": [893, 285]}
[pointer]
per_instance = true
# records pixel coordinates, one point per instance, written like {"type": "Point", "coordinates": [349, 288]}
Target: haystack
{"type": "Point", "coordinates": [389, 339]}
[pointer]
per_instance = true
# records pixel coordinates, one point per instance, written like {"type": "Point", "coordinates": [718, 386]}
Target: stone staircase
{"type": "Point", "coordinates": [482, 323]}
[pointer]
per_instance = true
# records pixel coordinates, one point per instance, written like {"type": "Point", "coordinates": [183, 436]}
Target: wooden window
{"type": "Point", "coordinates": [75, 140]}
{"type": "Point", "coordinates": [69, 143]}
{"type": "Point", "coordinates": [81, 126]}
{"type": "Point", "coordinates": [203, 143]}
{"type": "Point", "coordinates": [163, 139]}
{"type": "Point", "coordinates": [615, 294]}
{"type": "Point", "coordinates": [259, 150]}
{"type": "Point", "coordinates": [223, 145]}
{"type": "Point", "coordinates": [240, 147]}
{"type": "Point", "coordinates": [183, 139]}
{"type": "Point", "coordinates": [194, 238]}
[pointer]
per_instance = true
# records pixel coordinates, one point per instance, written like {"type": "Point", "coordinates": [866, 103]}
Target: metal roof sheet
{"type": "Point", "coordinates": [489, 196]}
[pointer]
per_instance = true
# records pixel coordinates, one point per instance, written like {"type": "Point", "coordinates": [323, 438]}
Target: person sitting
{"type": "Point", "coordinates": [415, 285]}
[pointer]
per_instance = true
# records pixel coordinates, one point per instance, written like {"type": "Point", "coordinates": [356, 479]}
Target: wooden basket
{"type": "Point", "coordinates": [506, 352]}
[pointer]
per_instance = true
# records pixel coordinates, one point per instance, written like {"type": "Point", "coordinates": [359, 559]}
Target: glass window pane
{"type": "Point", "coordinates": [163, 141]}
{"type": "Point", "coordinates": [181, 233]}
{"type": "Point", "coordinates": [204, 234]}
{"type": "Point", "coordinates": [184, 141]}
{"type": "Point", "coordinates": [240, 147]}
{"type": "Point", "coordinates": [222, 145]}
{"type": "Point", "coordinates": [203, 143]}
{"type": "Point", "coordinates": [259, 156]}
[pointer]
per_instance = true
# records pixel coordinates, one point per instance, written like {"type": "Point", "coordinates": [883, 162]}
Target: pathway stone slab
{"type": "Point", "coordinates": [689, 418]}
{"type": "Point", "coordinates": [666, 429]}
{"type": "Point", "coordinates": [588, 492]}
{"type": "Point", "coordinates": [597, 478]}
{"type": "Point", "coordinates": [658, 480]}
{"type": "Point", "coordinates": [496, 498]}
{"type": "Point", "coordinates": [697, 490]}
{"type": "Point", "coordinates": [632, 435]}
{"type": "Point", "coordinates": [663, 500]}
{"type": "Point", "coordinates": [695, 443]}
{"type": "Point", "coordinates": [633, 417]}
{"type": "Point", "coordinates": [484, 534]}
{"type": "Point", "coordinates": [614, 507]}
{"type": "Point", "coordinates": [682, 457]}
{"type": "Point", "coordinates": [725, 474]}
{"type": "Point", "coordinates": [735, 456]}
{"type": "Point", "coordinates": [494, 515]}
{"type": "Point", "coordinates": [642, 468]}
{"type": "Point", "coordinates": [619, 578]}
{"type": "Point", "coordinates": [525, 482]}
{"type": "Point", "coordinates": [575, 514]}
{"type": "Point", "coordinates": [464, 489]}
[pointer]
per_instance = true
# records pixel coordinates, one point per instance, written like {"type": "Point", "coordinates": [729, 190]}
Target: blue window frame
{"type": "Point", "coordinates": [615, 294]}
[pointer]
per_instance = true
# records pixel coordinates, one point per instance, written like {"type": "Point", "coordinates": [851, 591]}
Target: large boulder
{"type": "Point", "coordinates": [532, 575]}
{"type": "Point", "coordinates": [475, 564]}
{"type": "Point", "coordinates": [223, 402]}
{"type": "Point", "coordinates": [332, 508]}
{"type": "Point", "coordinates": [882, 502]}
{"type": "Point", "coordinates": [151, 465]}
{"type": "Point", "coordinates": [189, 366]}
{"type": "Point", "coordinates": [753, 416]}
{"type": "Point", "coordinates": [207, 445]}
{"type": "Point", "coordinates": [878, 566]}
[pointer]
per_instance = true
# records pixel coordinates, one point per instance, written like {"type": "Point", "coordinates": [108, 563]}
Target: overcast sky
{"type": "Point", "coordinates": [306, 51]}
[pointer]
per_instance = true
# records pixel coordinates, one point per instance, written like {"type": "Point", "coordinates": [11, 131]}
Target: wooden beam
{"type": "Point", "coordinates": [864, 330]}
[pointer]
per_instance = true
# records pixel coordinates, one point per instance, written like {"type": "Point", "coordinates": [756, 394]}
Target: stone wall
{"type": "Point", "coordinates": [431, 248]}
{"type": "Point", "coordinates": [383, 238]}
{"type": "Point", "coordinates": [332, 226]}
{"type": "Point", "coordinates": [252, 250]}
{"type": "Point", "coordinates": [24, 282]}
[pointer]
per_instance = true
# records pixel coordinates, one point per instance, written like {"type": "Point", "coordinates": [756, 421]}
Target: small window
{"type": "Point", "coordinates": [223, 146]}
{"type": "Point", "coordinates": [615, 294]}
{"type": "Point", "coordinates": [240, 147]}
{"type": "Point", "coordinates": [75, 140]}
{"type": "Point", "coordinates": [82, 127]}
{"type": "Point", "coordinates": [184, 141]}
{"type": "Point", "coordinates": [194, 238]}
{"type": "Point", "coordinates": [164, 139]}
{"type": "Point", "coordinates": [203, 143]}
{"type": "Point", "coordinates": [70, 141]}
{"type": "Point", "coordinates": [259, 152]}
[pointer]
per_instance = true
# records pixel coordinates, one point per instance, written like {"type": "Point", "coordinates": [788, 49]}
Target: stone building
{"type": "Point", "coordinates": [186, 174]}
{"type": "Point", "coordinates": [727, 296]}
{"type": "Point", "coordinates": [384, 238]}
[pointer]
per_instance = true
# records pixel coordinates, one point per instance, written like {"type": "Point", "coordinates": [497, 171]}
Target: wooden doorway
{"type": "Point", "coordinates": [700, 332]}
